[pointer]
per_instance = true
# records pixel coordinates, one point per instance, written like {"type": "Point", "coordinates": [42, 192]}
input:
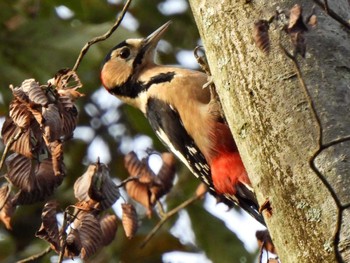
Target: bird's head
{"type": "Point", "coordinates": [126, 60]}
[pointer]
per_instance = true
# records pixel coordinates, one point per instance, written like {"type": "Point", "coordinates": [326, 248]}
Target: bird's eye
{"type": "Point", "coordinates": [125, 53]}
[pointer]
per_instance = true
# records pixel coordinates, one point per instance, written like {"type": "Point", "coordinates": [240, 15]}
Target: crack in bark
{"type": "Point", "coordinates": [321, 147]}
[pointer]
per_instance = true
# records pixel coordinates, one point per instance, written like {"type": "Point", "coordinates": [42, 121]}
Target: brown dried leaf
{"type": "Point", "coordinates": [56, 150]}
{"type": "Point", "coordinates": [33, 90]}
{"type": "Point", "coordinates": [23, 145]}
{"type": "Point", "coordinates": [96, 184]}
{"type": "Point", "coordinates": [20, 114]}
{"type": "Point", "coordinates": [20, 172]}
{"type": "Point", "coordinates": [109, 228]}
{"type": "Point", "coordinates": [296, 29]}
{"type": "Point", "coordinates": [52, 123]}
{"type": "Point", "coordinates": [4, 194]}
{"type": "Point", "coordinates": [7, 212]}
{"type": "Point", "coordinates": [47, 180]}
{"type": "Point", "coordinates": [69, 121]}
{"type": "Point", "coordinates": [73, 244]}
{"type": "Point", "coordinates": [261, 35]}
{"type": "Point", "coordinates": [140, 193]}
{"type": "Point", "coordinates": [82, 184]}
{"type": "Point", "coordinates": [45, 184]}
{"type": "Point", "coordinates": [49, 228]}
{"type": "Point", "coordinates": [167, 172]}
{"type": "Point", "coordinates": [90, 233]}
{"type": "Point", "coordinates": [19, 94]}
{"type": "Point", "coordinates": [67, 79]}
{"type": "Point", "coordinates": [137, 168]}
{"type": "Point", "coordinates": [129, 220]}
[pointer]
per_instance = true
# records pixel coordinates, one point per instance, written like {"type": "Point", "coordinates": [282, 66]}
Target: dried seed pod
{"type": "Point", "coordinates": [109, 228]}
{"type": "Point", "coordinates": [129, 220]}
{"type": "Point", "coordinates": [261, 35]}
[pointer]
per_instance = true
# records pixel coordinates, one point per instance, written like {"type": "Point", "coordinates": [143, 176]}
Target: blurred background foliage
{"type": "Point", "coordinates": [37, 38]}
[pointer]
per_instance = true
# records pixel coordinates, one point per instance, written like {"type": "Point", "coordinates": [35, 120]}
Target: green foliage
{"type": "Point", "coordinates": [35, 43]}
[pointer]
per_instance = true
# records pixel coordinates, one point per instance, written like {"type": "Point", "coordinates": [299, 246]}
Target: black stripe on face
{"type": "Point", "coordinates": [132, 89]}
{"type": "Point", "coordinates": [108, 56]}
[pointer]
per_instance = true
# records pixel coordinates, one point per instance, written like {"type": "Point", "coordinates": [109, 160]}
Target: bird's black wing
{"type": "Point", "coordinates": [166, 123]}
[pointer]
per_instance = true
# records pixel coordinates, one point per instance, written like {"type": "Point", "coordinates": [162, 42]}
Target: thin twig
{"type": "Point", "coordinates": [127, 180]}
{"type": "Point", "coordinates": [36, 256]}
{"type": "Point", "coordinates": [102, 37]}
{"type": "Point", "coordinates": [168, 215]}
{"type": "Point", "coordinates": [8, 146]}
{"type": "Point", "coordinates": [332, 14]}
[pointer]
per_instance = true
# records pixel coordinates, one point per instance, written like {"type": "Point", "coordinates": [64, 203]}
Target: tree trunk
{"type": "Point", "coordinates": [291, 126]}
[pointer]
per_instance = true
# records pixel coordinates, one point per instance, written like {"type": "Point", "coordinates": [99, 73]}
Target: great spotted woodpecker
{"type": "Point", "coordinates": [183, 115]}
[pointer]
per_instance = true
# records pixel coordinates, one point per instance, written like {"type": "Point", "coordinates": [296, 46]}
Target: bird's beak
{"type": "Point", "coordinates": [153, 39]}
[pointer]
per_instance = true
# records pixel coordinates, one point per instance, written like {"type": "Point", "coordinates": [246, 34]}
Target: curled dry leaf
{"type": "Point", "coordinates": [89, 230]}
{"type": "Point", "coordinates": [261, 35]}
{"type": "Point", "coordinates": [147, 188]}
{"type": "Point", "coordinates": [167, 172]}
{"type": "Point", "coordinates": [6, 207]}
{"type": "Point", "coordinates": [33, 90]}
{"type": "Point", "coordinates": [96, 184]}
{"type": "Point", "coordinates": [51, 123]}
{"type": "Point", "coordinates": [129, 220]}
{"type": "Point", "coordinates": [56, 150]}
{"type": "Point", "coordinates": [49, 228]}
{"type": "Point", "coordinates": [141, 194]}
{"type": "Point", "coordinates": [73, 244]}
{"type": "Point", "coordinates": [19, 114]}
{"type": "Point", "coordinates": [7, 212]}
{"type": "Point", "coordinates": [67, 79]}
{"type": "Point", "coordinates": [45, 182]}
{"type": "Point", "coordinates": [109, 228]}
{"type": "Point", "coordinates": [137, 168]}
{"type": "Point", "coordinates": [296, 29]}
{"type": "Point", "coordinates": [20, 172]}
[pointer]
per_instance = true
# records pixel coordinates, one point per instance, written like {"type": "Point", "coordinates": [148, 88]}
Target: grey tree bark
{"type": "Point", "coordinates": [292, 127]}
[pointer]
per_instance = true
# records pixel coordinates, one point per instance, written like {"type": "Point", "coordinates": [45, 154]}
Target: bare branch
{"type": "Point", "coordinates": [102, 37]}
{"type": "Point", "coordinates": [36, 256]}
{"type": "Point", "coordinates": [168, 215]}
